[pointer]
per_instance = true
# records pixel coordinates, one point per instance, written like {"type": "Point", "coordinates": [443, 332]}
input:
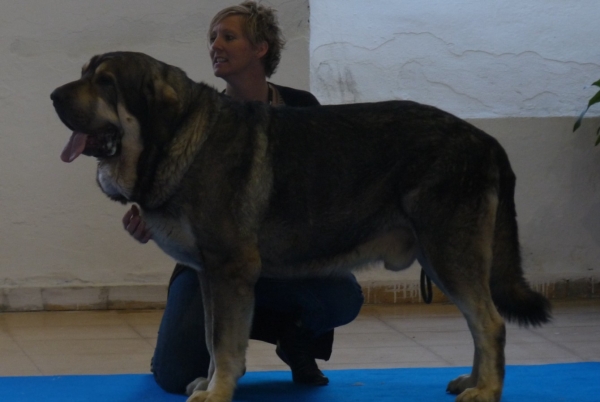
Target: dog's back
{"type": "Point", "coordinates": [345, 175]}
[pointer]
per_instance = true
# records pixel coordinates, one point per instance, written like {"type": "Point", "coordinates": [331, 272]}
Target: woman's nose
{"type": "Point", "coordinates": [216, 43]}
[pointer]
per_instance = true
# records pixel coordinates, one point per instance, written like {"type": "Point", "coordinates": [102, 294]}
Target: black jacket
{"type": "Point", "coordinates": [267, 324]}
{"type": "Point", "coordinates": [296, 97]}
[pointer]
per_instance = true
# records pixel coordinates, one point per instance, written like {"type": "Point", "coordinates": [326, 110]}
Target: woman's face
{"type": "Point", "coordinates": [231, 51]}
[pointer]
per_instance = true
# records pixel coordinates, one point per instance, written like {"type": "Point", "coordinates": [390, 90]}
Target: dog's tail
{"type": "Point", "coordinates": [511, 293]}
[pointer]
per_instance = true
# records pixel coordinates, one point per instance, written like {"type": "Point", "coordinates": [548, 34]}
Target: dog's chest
{"type": "Point", "coordinates": [175, 237]}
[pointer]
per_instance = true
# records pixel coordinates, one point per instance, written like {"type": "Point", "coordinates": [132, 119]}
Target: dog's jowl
{"type": "Point", "coordinates": [242, 190]}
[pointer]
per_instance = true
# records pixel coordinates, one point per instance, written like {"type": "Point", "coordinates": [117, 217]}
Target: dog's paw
{"type": "Point", "coordinates": [478, 395]}
{"type": "Point", "coordinates": [199, 396]}
{"type": "Point", "coordinates": [460, 384]}
{"type": "Point", "coordinates": [199, 384]}
{"type": "Point", "coordinates": [206, 396]}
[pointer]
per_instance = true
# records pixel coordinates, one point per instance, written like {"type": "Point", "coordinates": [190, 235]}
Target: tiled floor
{"type": "Point", "coordinates": [103, 342]}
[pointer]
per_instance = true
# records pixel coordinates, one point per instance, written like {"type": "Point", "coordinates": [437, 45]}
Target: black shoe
{"type": "Point", "coordinates": [293, 348]}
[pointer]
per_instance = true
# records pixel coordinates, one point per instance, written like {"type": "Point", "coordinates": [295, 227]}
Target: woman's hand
{"type": "Point", "coordinates": [135, 225]}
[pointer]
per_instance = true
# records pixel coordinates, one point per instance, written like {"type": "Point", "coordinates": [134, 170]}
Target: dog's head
{"type": "Point", "coordinates": [122, 107]}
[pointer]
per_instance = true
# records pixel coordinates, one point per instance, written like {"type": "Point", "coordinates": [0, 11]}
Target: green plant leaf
{"type": "Point", "coordinates": [595, 99]}
{"type": "Point", "coordinates": [578, 122]}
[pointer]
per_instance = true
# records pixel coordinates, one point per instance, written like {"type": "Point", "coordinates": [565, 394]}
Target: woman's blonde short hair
{"type": "Point", "coordinates": [261, 26]}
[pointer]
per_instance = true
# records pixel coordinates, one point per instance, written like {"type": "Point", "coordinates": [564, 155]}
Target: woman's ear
{"type": "Point", "coordinates": [261, 49]}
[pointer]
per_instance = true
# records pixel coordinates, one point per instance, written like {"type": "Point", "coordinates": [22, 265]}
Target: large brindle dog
{"type": "Point", "coordinates": [238, 190]}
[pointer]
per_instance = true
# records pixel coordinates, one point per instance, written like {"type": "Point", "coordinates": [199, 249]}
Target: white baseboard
{"type": "Point", "coordinates": [83, 298]}
{"type": "Point", "coordinates": [155, 296]}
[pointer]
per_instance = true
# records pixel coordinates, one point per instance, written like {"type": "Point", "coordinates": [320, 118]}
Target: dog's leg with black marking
{"type": "Point", "coordinates": [230, 279]}
{"type": "Point", "coordinates": [460, 265]}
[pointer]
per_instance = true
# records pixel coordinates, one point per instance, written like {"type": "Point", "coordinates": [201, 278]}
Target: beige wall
{"type": "Point", "coordinates": [57, 229]}
{"type": "Point", "coordinates": [62, 241]}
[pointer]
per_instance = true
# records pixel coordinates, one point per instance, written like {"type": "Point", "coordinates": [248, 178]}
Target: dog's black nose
{"type": "Point", "coordinates": [55, 96]}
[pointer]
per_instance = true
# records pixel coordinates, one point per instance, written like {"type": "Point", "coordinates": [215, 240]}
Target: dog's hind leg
{"type": "Point", "coordinates": [486, 379]}
{"type": "Point", "coordinates": [456, 252]}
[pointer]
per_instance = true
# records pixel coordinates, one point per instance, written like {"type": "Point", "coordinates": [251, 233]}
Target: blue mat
{"type": "Point", "coordinates": [578, 382]}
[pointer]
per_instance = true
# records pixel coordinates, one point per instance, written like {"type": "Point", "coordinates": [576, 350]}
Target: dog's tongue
{"type": "Point", "coordinates": [74, 147]}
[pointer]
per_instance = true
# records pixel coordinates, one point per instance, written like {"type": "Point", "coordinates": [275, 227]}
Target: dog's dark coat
{"type": "Point", "coordinates": [239, 190]}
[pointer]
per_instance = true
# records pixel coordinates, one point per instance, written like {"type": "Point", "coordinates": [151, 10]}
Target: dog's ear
{"type": "Point", "coordinates": [159, 93]}
{"type": "Point", "coordinates": [162, 106]}
{"type": "Point", "coordinates": [165, 93]}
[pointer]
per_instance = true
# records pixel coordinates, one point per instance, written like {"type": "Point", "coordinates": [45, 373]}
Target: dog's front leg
{"type": "Point", "coordinates": [201, 383]}
{"type": "Point", "coordinates": [229, 284]}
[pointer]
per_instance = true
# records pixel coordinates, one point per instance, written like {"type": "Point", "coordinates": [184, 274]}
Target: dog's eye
{"type": "Point", "coordinates": [103, 80]}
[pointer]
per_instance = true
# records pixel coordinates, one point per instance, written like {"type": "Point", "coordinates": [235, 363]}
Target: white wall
{"type": "Point", "coordinates": [56, 227]}
{"type": "Point", "coordinates": [519, 69]}
{"type": "Point", "coordinates": [477, 59]}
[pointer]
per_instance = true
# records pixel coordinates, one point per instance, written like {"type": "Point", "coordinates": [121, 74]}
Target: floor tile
{"type": "Point", "coordinates": [383, 336]}
{"type": "Point", "coordinates": [365, 325]}
{"type": "Point", "coordinates": [371, 339]}
{"type": "Point", "coordinates": [93, 364]}
{"type": "Point", "coordinates": [17, 364]}
{"type": "Point", "coordinates": [586, 351]}
{"type": "Point", "coordinates": [543, 352]}
{"type": "Point", "coordinates": [62, 319]}
{"type": "Point", "coordinates": [435, 338]}
{"type": "Point", "coordinates": [435, 323]}
{"type": "Point", "coordinates": [399, 356]}
{"type": "Point", "coordinates": [9, 347]}
{"type": "Point", "coordinates": [74, 332]}
{"type": "Point", "coordinates": [454, 355]}
{"type": "Point", "coordinates": [86, 347]}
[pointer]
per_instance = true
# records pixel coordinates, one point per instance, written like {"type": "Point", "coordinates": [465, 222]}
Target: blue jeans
{"type": "Point", "coordinates": [181, 355]}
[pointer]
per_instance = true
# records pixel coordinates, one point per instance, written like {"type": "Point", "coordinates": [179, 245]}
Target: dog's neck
{"type": "Point", "coordinates": [181, 152]}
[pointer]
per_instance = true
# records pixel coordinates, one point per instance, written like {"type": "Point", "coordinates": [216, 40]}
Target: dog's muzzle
{"type": "Point", "coordinates": [102, 142]}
